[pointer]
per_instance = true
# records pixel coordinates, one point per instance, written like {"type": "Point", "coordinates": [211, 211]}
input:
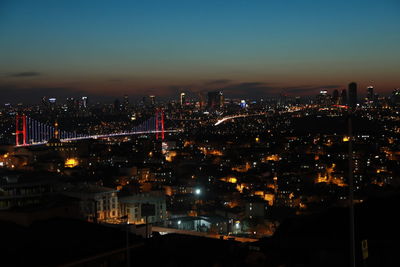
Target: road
{"type": "Point", "coordinates": [164, 230]}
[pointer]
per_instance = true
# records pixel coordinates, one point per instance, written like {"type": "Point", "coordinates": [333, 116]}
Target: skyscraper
{"type": "Point", "coordinates": [152, 100]}
{"type": "Point", "coordinates": [45, 102]}
{"type": "Point", "coordinates": [52, 103]}
{"type": "Point", "coordinates": [323, 98]}
{"type": "Point", "coordinates": [202, 102]}
{"type": "Point", "coordinates": [70, 103]}
{"type": "Point", "coordinates": [215, 100]}
{"type": "Point", "coordinates": [117, 105]}
{"type": "Point", "coordinates": [335, 97]}
{"type": "Point", "coordinates": [396, 96]}
{"type": "Point", "coordinates": [353, 94]}
{"type": "Point", "coordinates": [370, 95]}
{"type": "Point", "coordinates": [84, 102]}
{"type": "Point", "coordinates": [343, 97]}
{"type": "Point", "coordinates": [221, 99]}
{"type": "Point", "coordinates": [126, 102]}
{"type": "Point", "coordinates": [182, 99]}
{"type": "Point", "coordinates": [370, 92]}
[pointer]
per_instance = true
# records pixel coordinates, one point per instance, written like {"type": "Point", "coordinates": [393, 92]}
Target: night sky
{"type": "Point", "coordinates": [246, 48]}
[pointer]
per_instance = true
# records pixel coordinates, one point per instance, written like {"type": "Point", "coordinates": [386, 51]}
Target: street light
{"type": "Point", "coordinates": [197, 193]}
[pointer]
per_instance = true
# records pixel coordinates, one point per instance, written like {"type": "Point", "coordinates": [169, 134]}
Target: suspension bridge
{"type": "Point", "coordinates": [29, 131]}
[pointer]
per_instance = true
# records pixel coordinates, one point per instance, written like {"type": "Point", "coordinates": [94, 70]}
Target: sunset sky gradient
{"type": "Point", "coordinates": [253, 48]}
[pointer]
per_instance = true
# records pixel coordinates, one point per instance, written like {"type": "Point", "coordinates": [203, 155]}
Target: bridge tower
{"type": "Point", "coordinates": [20, 130]}
{"type": "Point", "coordinates": [160, 123]}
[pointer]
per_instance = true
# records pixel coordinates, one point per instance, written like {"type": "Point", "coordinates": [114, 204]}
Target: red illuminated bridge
{"type": "Point", "coordinates": [29, 131]}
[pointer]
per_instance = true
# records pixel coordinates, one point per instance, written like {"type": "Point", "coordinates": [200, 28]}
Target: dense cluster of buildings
{"type": "Point", "coordinates": [236, 166]}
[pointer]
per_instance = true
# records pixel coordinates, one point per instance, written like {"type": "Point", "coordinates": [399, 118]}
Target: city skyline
{"type": "Point", "coordinates": [263, 49]}
{"type": "Point", "coordinates": [199, 133]}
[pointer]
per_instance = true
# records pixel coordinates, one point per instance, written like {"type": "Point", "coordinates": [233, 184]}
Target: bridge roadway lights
{"type": "Point", "coordinates": [21, 131]}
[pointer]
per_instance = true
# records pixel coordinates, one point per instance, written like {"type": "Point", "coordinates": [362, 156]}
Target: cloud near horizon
{"type": "Point", "coordinates": [307, 89]}
{"type": "Point", "coordinates": [11, 93]}
{"type": "Point", "coordinates": [24, 74]}
{"type": "Point", "coordinates": [217, 82]}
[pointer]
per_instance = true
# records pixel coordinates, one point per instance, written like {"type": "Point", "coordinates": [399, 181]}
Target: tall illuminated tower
{"type": "Point", "coordinates": [182, 99]}
{"type": "Point", "coordinates": [152, 100]}
{"type": "Point", "coordinates": [370, 95]}
{"type": "Point", "coordinates": [84, 102]}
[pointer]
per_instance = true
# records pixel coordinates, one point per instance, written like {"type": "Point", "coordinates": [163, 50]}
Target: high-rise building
{"type": "Point", "coordinates": [202, 101]}
{"type": "Point", "coordinates": [117, 105]}
{"type": "Point", "coordinates": [370, 95]}
{"type": "Point", "coordinates": [182, 99]}
{"type": "Point", "coordinates": [52, 103]}
{"type": "Point", "coordinates": [343, 97]}
{"type": "Point", "coordinates": [70, 103]}
{"type": "Point", "coordinates": [45, 101]}
{"type": "Point", "coordinates": [126, 102]}
{"type": "Point", "coordinates": [212, 99]}
{"type": "Point", "coordinates": [370, 92]}
{"type": "Point", "coordinates": [335, 97]}
{"type": "Point", "coordinates": [152, 100]}
{"type": "Point", "coordinates": [323, 97]}
{"type": "Point", "coordinates": [215, 100]}
{"type": "Point", "coordinates": [221, 99]}
{"type": "Point", "coordinates": [353, 94]}
{"type": "Point", "coordinates": [396, 96]}
{"type": "Point", "coordinates": [84, 102]}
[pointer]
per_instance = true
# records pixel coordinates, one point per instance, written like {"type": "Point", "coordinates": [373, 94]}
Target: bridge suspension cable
{"type": "Point", "coordinates": [29, 131]}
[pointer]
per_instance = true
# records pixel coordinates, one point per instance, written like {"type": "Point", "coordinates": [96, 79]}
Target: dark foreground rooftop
{"type": "Point", "coordinates": [63, 242]}
{"type": "Point", "coordinates": [314, 240]}
{"type": "Point", "coordinates": [323, 239]}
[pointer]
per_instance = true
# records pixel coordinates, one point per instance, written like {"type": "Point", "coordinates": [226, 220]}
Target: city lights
{"type": "Point", "coordinates": [147, 133]}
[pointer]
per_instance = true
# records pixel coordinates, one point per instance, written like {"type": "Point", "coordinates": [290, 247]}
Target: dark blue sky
{"type": "Point", "coordinates": [162, 47]}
